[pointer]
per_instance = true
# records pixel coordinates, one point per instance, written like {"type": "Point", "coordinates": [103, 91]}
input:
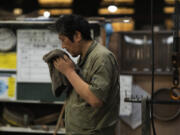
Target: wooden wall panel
{"type": "Point", "coordinates": [162, 81]}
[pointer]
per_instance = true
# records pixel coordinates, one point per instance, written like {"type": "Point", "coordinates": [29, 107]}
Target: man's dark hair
{"type": "Point", "coordinates": [68, 24]}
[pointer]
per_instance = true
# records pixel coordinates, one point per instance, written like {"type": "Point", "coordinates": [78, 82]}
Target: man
{"type": "Point", "coordinates": [93, 105]}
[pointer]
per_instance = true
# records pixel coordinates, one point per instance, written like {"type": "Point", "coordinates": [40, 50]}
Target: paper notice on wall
{"type": "Point", "coordinates": [8, 61]}
{"type": "Point", "coordinates": [8, 87]}
{"type": "Point", "coordinates": [32, 45]}
{"type": "Point", "coordinates": [125, 91]}
{"type": "Point", "coordinates": [134, 120]}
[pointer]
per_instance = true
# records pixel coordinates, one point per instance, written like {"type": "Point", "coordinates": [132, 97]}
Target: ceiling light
{"type": "Point", "coordinates": [126, 21]}
{"type": "Point", "coordinates": [112, 8]}
{"type": "Point", "coordinates": [123, 11]}
{"type": "Point", "coordinates": [55, 12]}
{"type": "Point", "coordinates": [17, 11]}
{"type": "Point", "coordinates": [46, 14]}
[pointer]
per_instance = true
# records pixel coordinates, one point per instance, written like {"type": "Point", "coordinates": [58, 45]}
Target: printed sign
{"type": "Point", "coordinates": [8, 87]}
{"type": "Point", "coordinates": [8, 61]}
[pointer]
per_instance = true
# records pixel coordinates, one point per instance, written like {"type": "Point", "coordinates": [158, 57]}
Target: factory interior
{"type": "Point", "coordinates": [143, 35]}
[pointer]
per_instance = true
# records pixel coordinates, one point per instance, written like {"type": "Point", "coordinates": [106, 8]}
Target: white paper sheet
{"type": "Point", "coordinates": [134, 120]}
{"type": "Point", "coordinates": [32, 45]}
{"type": "Point", "coordinates": [125, 91]}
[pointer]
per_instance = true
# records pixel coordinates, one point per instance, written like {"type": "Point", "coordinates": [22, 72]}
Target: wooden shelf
{"type": "Point", "coordinates": [144, 73]}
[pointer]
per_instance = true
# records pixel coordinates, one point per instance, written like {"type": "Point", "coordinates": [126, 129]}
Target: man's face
{"type": "Point", "coordinates": [72, 47]}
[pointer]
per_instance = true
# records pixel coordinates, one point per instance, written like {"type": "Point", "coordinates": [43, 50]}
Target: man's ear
{"type": "Point", "coordinates": [77, 36]}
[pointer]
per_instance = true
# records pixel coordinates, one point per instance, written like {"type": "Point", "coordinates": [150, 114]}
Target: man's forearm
{"type": "Point", "coordinates": [82, 88]}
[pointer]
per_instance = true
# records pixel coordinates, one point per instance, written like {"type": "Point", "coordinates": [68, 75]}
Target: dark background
{"type": "Point", "coordinates": [89, 8]}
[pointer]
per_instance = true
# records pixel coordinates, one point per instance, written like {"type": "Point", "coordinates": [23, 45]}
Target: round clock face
{"type": "Point", "coordinates": [7, 39]}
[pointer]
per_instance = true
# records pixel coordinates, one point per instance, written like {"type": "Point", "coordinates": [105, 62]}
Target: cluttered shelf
{"type": "Point", "coordinates": [32, 117]}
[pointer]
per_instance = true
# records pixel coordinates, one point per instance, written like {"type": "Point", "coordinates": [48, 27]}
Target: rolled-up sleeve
{"type": "Point", "coordinates": [101, 80]}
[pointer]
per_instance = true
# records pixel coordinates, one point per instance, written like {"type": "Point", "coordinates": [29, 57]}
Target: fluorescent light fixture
{"type": "Point", "coordinates": [123, 11]}
{"type": "Point", "coordinates": [126, 20]}
{"type": "Point", "coordinates": [55, 12]}
{"type": "Point", "coordinates": [46, 14]}
{"type": "Point", "coordinates": [55, 2]}
{"type": "Point", "coordinates": [112, 8]}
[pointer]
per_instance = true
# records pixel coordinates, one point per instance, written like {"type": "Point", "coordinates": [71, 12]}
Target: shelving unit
{"type": "Point", "coordinates": [29, 95]}
{"type": "Point", "coordinates": [32, 102]}
{"type": "Point", "coordinates": [33, 129]}
{"type": "Point", "coordinates": [135, 52]}
{"type": "Point", "coordinates": [11, 129]}
{"type": "Point", "coordinates": [144, 73]}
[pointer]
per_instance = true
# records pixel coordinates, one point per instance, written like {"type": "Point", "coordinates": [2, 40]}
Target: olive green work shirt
{"type": "Point", "coordinates": [100, 70]}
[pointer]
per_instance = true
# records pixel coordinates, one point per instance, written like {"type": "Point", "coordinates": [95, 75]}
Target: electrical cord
{"type": "Point", "coordinates": [152, 92]}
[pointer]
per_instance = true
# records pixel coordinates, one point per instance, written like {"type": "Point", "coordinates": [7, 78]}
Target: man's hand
{"type": "Point", "coordinates": [64, 65]}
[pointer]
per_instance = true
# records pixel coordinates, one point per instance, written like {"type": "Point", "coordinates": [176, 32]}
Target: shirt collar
{"type": "Point", "coordinates": [92, 46]}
